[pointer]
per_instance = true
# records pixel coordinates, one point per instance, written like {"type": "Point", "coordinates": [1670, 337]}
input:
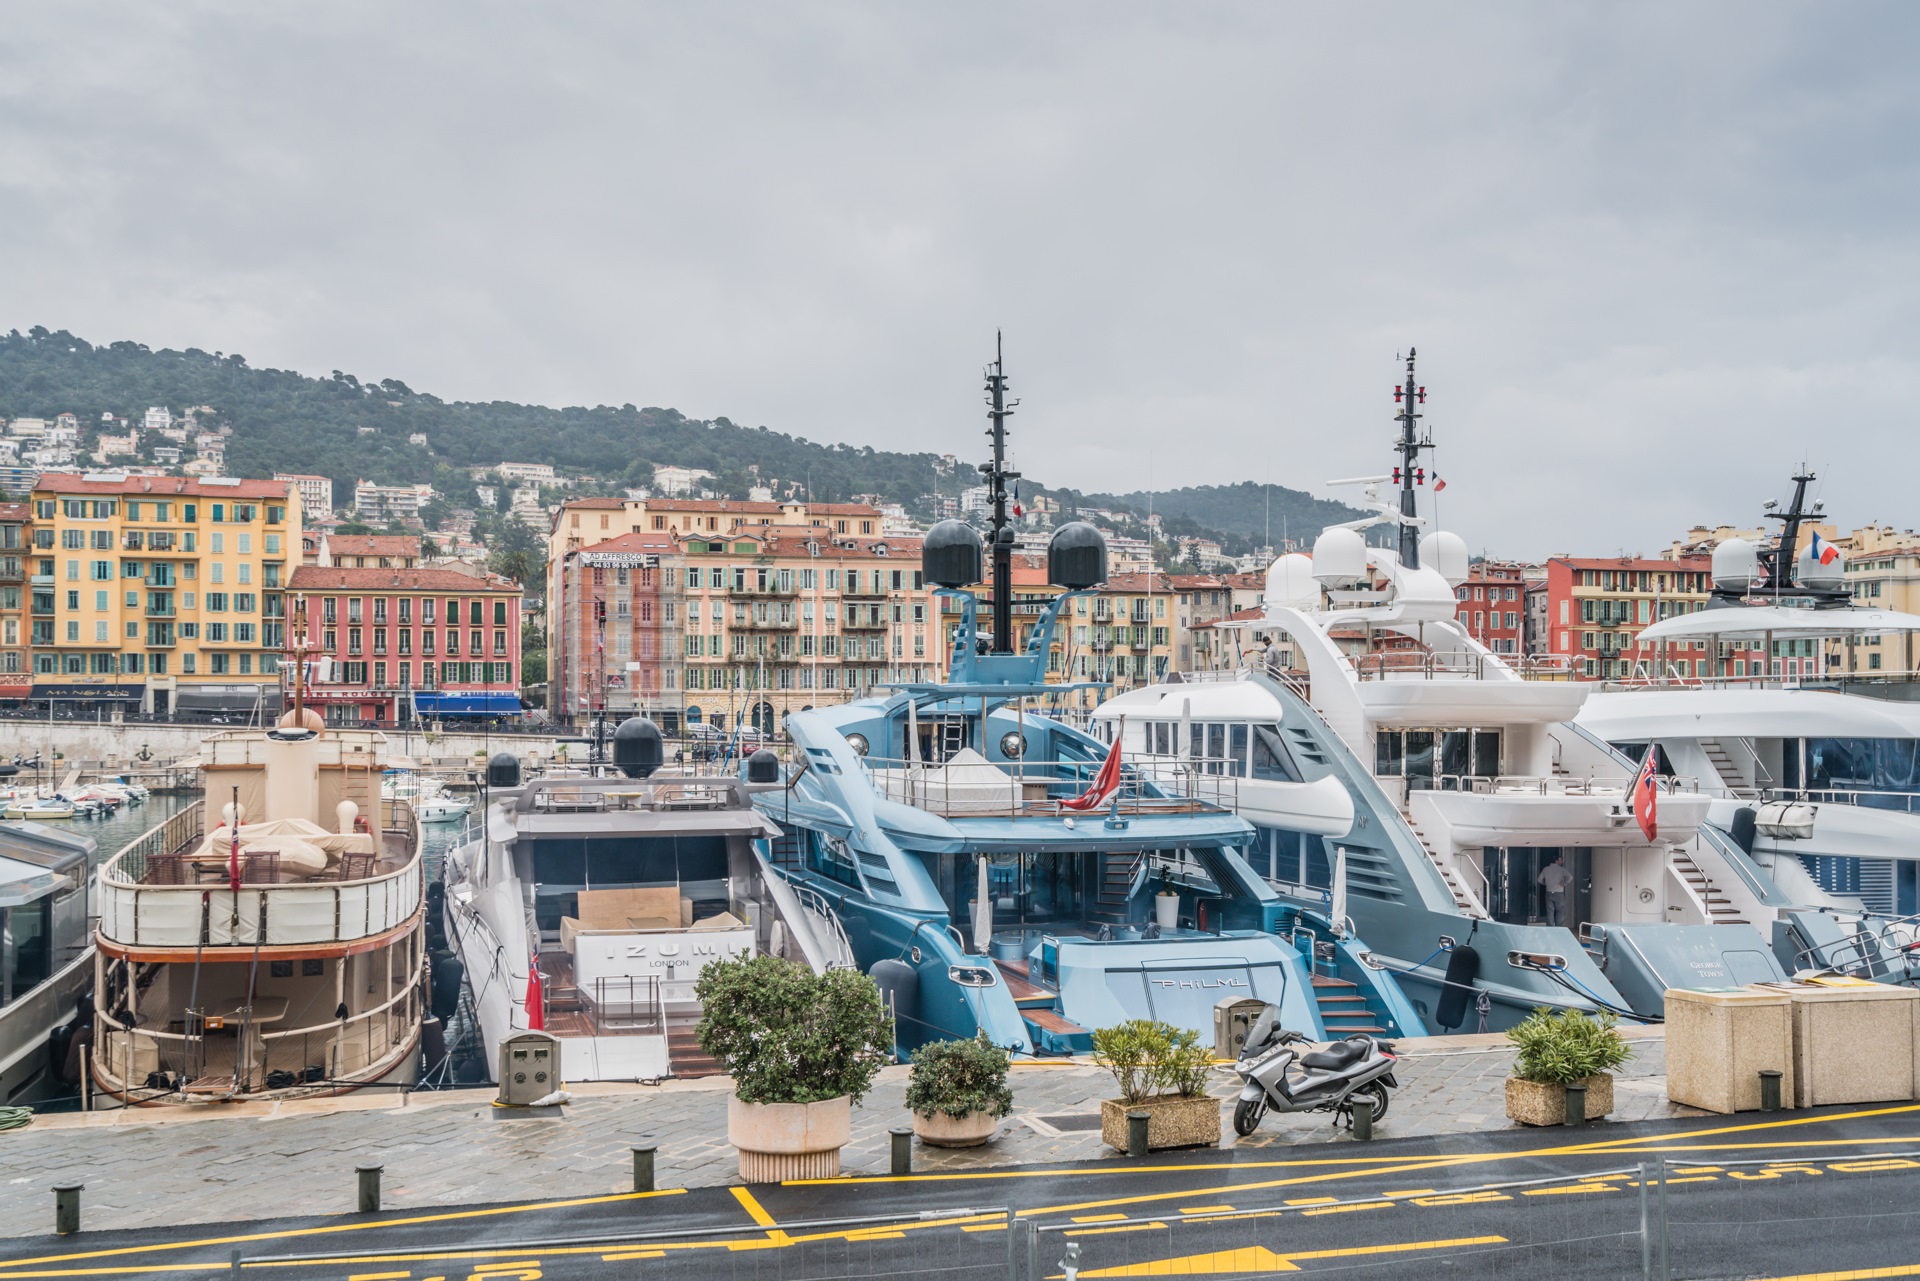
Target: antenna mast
{"type": "Point", "coordinates": [1407, 473]}
{"type": "Point", "coordinates": [999, 410]}
{"type": "Point", "coordinates": [1780, 570]}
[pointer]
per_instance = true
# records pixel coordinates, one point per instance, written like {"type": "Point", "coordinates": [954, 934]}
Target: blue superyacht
{"type": "Point", "coordinates": [996, 870]}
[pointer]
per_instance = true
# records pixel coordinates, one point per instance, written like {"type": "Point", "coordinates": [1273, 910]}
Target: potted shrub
{"type": "Point", "coordinates": [803, 1048]}
{"type": "Point", "coordinates": [1163, 1071]}
{"type": "Point", "coordinates": [958, 1092]}
{"type": "Point", "coordinates": [1555, 1050]}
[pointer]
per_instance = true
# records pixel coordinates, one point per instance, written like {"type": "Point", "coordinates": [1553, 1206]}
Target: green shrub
{"type": "Point", "coordinates": [958, 1078]}
{"type": "Point", "coordinates": [1566, 1048]}
{"type": "Point", "coordinates": [789, 1035]}
{"type": "Point", "coordinates": [1150, 1059]}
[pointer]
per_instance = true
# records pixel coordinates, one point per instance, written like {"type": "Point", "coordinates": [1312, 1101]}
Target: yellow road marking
{"type": "Point", "coordinates": [1859, 1274]}
{"type": "Point", "coordinates": [634, 1254]}
{"type": "Point", "coordinates": [1101, 1232]}
{"type": "Point", "coordinates": [1349, 1209]}
{"type": "Point", "coordinates": [986, 1227]}
{"type": "Point", "coordinates": [1412, 1192]}
{"type": "Point", "coordinates": [1257, 1258]}
{"type": "Point", "coordinates": [1097, 1218]}
{"type": "Point", "coordinates": [1312, 1200]}
{"type": "Point", "coordinates": [1574, 1189]}
{"type": "Point", "coordinates": [759, 1215]}
{"type": "Point", "coordinates": [379, 1276]}
{"type": "Point", "coordinates": [411, 1220]}
{"type": "Point", "coordinates": [1206, 1209]}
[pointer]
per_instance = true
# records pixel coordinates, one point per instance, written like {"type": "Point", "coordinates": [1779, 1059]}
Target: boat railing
{"type": "Point", "coordinates": [1654, 679]}
{"type": "Point", "coordinates": [626, 1003]}
{"type": "Point", "coordinates": [175, 834]}
{"type": "Point", "coordinates": [1552, 785]}
{"type": "Point", "coordinates": [649, 794]}
{"type": "Point", "coordinates": [825, 918]}
{"type": "Point", "coordinates": [1454, 665]}
{"type": "Point", "coordinates": [1899, 802]}
{"type": "Point", "coordinates": [1038, 789]}
{"type": "Point", "coordinates": [1873, 946]}
{"type": "Point", "coordinates": [136, 911]}
{"type": "Point", "coordinates": [341, 1048]}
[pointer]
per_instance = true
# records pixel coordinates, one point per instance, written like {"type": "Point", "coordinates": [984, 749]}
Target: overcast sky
{"type": "Point", "coordinates": [1652, 255]}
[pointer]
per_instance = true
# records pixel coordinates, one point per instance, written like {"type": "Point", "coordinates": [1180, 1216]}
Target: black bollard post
{"type": "Point", "coordinates": [1362, 1120]}
{"type": "Point", "coordinates": [1576, 1105]}
{"type": "Point", "coordinates": [369, 1187]}
{"type": "Point", "coordinates": [1770, 1090]}
{"type": "Point", "coordinates": [1137, 1123]}
{"type": "Point", "coordinates": [66, 1208]}
{"type": "Point", "coordinates": [902, 1149]}
{"type": "Point", "coordinates": [643, 1167]}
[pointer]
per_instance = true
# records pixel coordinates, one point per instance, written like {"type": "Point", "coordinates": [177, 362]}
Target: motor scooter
{"type": "Point", "coordinates": [1276, 1075]}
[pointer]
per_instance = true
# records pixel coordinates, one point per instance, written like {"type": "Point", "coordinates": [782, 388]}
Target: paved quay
{"type": "Point", "coordinates": [152, 1167]}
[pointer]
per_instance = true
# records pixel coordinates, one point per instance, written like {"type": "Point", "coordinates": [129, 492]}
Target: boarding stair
{"type": "Point", "coordinates": [1052, 1032]}
{"type": "Point", "coordinates": [1719, 909]}
{"type": "Point", "coordinates": [1344, 1009]}
{"type": "Point", "coordinates": [1462, 897]}
{"type": "Point", "coordinates": [1723, 766]}
{"type": "Point", "coordinates": [685, 1058]}
{"type": "Point", "coordinates": [1119, 874]}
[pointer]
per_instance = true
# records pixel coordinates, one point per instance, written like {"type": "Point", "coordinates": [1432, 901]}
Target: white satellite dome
{"type": "Point", "coordinates": [1812, 575]}
{"type": "Point", "coordinates": [1290, 582]}
{"type": "Point", "coordinates": [1339, 557]}
{"type": "Point", "coordinates": [1736, 565]}
{"type": "Point", "coordinates": [1447, 553]}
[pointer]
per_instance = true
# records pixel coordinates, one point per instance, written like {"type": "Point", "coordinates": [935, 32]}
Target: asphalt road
{"type": "Point", "coordinates": [1787, 1195]}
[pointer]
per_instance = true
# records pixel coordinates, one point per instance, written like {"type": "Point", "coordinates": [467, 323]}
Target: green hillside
{"type": "Point", "coordinates": [352, 429]}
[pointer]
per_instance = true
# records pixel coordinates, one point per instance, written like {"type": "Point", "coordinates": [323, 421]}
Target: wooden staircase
{"type": "Point", "coordinates": [1343, 1010]}
{"type": "Point", "coordinates": [685, 1058]}
{"type": "Point", "coordinates": [1723, 765]}
{"type": "Point", "coordinates": [1116, 880]}
{"type": "Point", "coordinates": [1720, 910]}
{"type": "Point", "coordinates": [1461, 899]}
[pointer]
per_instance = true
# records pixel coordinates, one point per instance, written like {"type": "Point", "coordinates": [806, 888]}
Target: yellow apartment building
{"type": "Point", "coordinates": [160, 593]}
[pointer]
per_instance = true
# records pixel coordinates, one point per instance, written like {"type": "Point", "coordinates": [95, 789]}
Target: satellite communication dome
{"type": "Point", "coordinates": [1076, 556]}
{"type": "Point", "coordinates": [1736, 565]}
{"type": "Point", "coordinates": [1814, 576]}
{"type": "Point", "coordinates": [1290, 582]}
{"type": "Point", "coordinates": [1446, 552]}
{"type": "Point", "coordinates": [951, 555]}
{"type": "Point", "coordinates": [1340, 557]}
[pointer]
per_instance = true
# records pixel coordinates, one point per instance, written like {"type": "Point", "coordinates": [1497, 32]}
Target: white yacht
{"type": "Point", "coordinates": [1419, 785]}
{"type": "Point", "coordinates": [590, 904]}
{"type": "Point", "coordinates": [46, 952]}
{"type": "Point", "coordinates": [1815, 780]}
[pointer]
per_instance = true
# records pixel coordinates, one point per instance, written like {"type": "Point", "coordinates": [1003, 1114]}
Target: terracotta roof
{"type": "Point", "coordinates": [1237, 616]}
{"type": "Point", "coordinates": [722, 505]}
{"type": "Point", "coordinates": [594, 503]}
{"type": "Point", "coordinates": [170, 486]}
{"type": "Point", "coordinates": [16, 511]}
{"type": "Point", "coordinates": [1633, 562]}
{"type": "Point", "coordinates": [324, 578]}
{"type": "Point", "coordinates": [658, 541]}
{"type": "Point", "coordinates": [841, 509]}
{"type": "Point", "coordinates": [373, 545]}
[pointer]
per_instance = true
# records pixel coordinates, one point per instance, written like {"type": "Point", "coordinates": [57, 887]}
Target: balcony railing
{"type": "Point", "coordinates": [1037, 789]}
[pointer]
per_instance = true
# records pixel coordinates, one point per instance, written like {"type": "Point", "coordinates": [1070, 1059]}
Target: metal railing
{"type": "Point", "coordinates": [1037, 789]}
{"type": "Point", "coordinates": [1553, 785]}
{"type": "Point", "coordinates": [1899, 802]}
{"type": "Point", "coordinates": [626, 1003]}
{"type": "Point", "coordinates": [1452, 665]}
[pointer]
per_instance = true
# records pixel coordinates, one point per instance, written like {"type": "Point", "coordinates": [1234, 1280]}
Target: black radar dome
{"type": "Point", "coordinates": [1077, 557]}
{"type": "Point", "coordinates": [952, 555]}
{"type": "Point", "coordinates": [638, 749]}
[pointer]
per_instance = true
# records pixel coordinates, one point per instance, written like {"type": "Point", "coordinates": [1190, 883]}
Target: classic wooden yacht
{"type": "Point", "coordinates": [281, 953]}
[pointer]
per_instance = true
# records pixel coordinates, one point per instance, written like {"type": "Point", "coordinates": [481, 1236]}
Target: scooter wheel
{"type": "Point", "coordinates": [1246, 1116]}
{"type": "Point", "coordinates": [1378, 1093]}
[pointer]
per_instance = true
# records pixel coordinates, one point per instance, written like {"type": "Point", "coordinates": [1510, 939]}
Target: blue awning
{"type": "Point", "coordinates": [445, 703]}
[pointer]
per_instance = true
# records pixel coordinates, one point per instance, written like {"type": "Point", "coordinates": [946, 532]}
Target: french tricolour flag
{"type": "Point", "coordinates": [1824, 552]}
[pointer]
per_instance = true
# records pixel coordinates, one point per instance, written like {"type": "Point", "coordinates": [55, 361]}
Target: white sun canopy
{"type": "Point", "coordinates": [1780, 622]}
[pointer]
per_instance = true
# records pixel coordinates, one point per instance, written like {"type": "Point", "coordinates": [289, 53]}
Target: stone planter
{"type": "Point", "coordinates": [1174, 1123]}
{"type": "Point", "coordinates": [943, 1131]}
{"type": "Point", "coordinates": [1537, 1103]}
{"type": "Point", "coordinates": [789, 1140]}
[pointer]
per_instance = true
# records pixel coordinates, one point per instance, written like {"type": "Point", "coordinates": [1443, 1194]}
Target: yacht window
{"type": "Point", "coordinates": [1237, 749]}
{"type": "Point", "coordinates": [1454, 749]}
{"type": "Point", "coordinates": [1389, 753]}
{"type": "Point", "coordinates": [631, 860]}
{"type": "Point", "coordinates": [26, 939]}
{"type": "Point", "coordinates": [1486, 753]}
{"type": "Point", "coordinates": [560, 862]}
{"type": "Point", "coordinates": [1419, 755]}
{"type": "Point", "coordinates": [1273, 762]}
{"type": "Point", "coordinates": [829, 859]}
{"type": "Point", "coordinates": [1216, 746]}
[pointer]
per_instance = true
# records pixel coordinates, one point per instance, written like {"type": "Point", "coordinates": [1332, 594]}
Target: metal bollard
{"type": "Point", "coordinates": [1137, 1123]}
{"type": "Point", "coordinates": [1576, 1105]}
{"type": "Point", "coordinates": [902, 1149]}
{"type": "Point", "coordinates": [66, 1208]}
{"type": "Point", "coordinates": [1071, 1264]}
{"type": "Point", "coordinates": [643, 1166]}
{"type": "Point", "coordinates": [1362, 1120]}
{"type": "Point", "coordinates": [369, 1187]}
{"type": "Point", "coordinates": [1770, 1090]}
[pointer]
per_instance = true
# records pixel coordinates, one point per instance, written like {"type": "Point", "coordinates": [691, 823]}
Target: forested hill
{"type": "Point", "coordinates": [349, 429]}
{"type": "Point", "coordinates": [1247, 509]}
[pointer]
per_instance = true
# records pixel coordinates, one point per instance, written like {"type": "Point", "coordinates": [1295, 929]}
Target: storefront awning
{"type": "Point", "coordinates": [465, 703]}
{"type": "Point", "coordinates": [90, 693]}
{"type": "Point", "coordinates": [226, 698]}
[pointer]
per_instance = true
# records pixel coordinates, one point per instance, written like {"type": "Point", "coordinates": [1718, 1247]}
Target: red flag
{"type": "Point", "coordinates": [1105, 783]}
{"type": "Point", "coordinates": [1438, 484]}
{"type": "Point", "coordinates": [536, 1003]}
{"type": "Point", "coordinates": [1642, 794]}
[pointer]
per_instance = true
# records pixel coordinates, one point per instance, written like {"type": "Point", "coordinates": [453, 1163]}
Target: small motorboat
{"type": "Point", "coordinates": [39, 808]}
{"type": "Point", "coordinates": [441, 809]}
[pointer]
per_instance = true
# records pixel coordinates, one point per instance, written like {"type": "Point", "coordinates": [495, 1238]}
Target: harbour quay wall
{"type": "Point", "coordinates": [121, 744]}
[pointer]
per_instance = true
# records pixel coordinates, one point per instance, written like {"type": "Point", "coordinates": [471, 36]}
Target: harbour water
{"type": "Point", "coordinates": [112, 835]}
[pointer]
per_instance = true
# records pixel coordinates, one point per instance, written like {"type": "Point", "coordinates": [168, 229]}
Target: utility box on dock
{"type": "Point", "coordinates": [1233, 1018]}
{"type": "Point", "coordinates": [1719, 1042]}
{"type": "Point", "coordinates": [529, 1068]}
